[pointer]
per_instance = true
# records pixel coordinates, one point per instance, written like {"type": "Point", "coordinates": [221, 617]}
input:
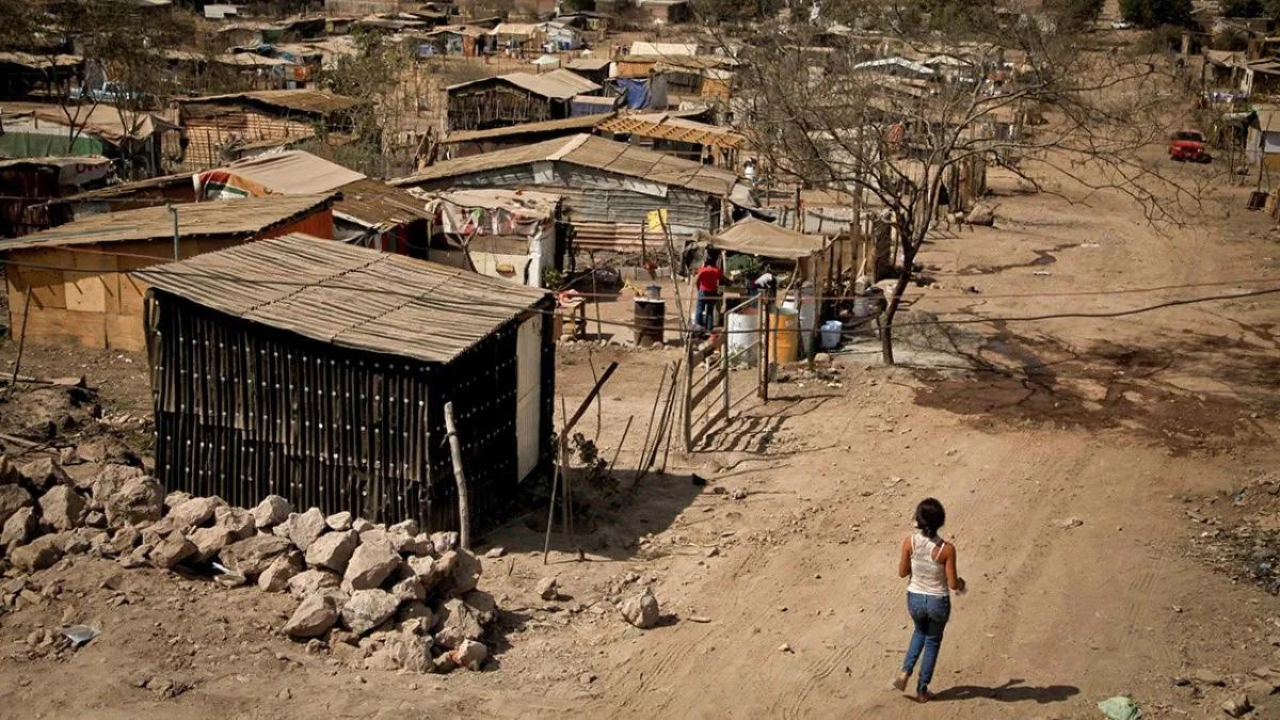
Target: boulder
{"type": "Point", "coordinates": [176, 498]}
{"type": "Point", "coordinates": [402, 651]}
{"type": "Point", "coordinates": [61, 508]}
{"type": "Point", "coordinates": [281, 570]}
{"type": "Point", "coordinates": [251, 556]}
{"type": "Point", "coordinates": [109, 481]}
{"type": "Point", "coordinates": [419, 545]}
{"type": "Point", "coordinates": [72, 542]}
{"type": "Point", "coordinates": [641, 610]}
{"type": "Point", "coordinates": [462, 573]}
{"type": "Point", "coordinates": [272, 511]}
{"type": "Point", "coordinates": [106, 449]}
{"type": "Point", "coordinates": [139, 500]}
{"type": "Point", "coordinates": [367, 609]}
{"type": "Point", "coordinates": [417, 611]}
{"type": "Point", "coordinates": [310, 582]}
{"type": "Point", "coordinates": [172, 550]}
{"type": "Point", "coordinates": [361, 525]}
{"type": "Point", "coordinates": [126, 539]}
{"type": "Point", "coordinates": [370, 565]}
{"type": "Point", "coordinates": [12, 499]}
{"type": "Point", "coordinates": [444, 541]}
{"type": "Point", "coordinates": [333, 551]}
{"type": "Point", "coordinates": [408, 527]}
{"type": "Point", "coordinates": [314, 617]}
{"type": "Point", "coordinates": [305, 528]}
{"type": "Point", "coordinates": [457, 622]}
{"type": "Point", "coordinates": [428, 570]}
{"type": "Point", "coordinates": [196, 512]}
{"type": "Point", "coordinates": [44, 473]}
{"type": "Point", "coordinates": [470, 655]}
{"type": "Point", "coordinates": [19, 528]}
{"type": "Point", "coordinates": [210, 541]}
{"type": "Point", "coordinates": [95, 519]}
{"type": "Point", "coordinates": [8, 473]}
{"type": "Point", "coordinates": [238, 521]}
{"type": "Point", "coordinates": [39, 554]}
{"type": "Point", "coordinates": [339, 522]}
{"type": "Point", "coordinates": [482, 605]}
{"type": "Point", "coordinates": [409, 589]}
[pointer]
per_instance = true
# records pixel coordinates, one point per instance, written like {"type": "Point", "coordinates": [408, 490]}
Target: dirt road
{"type": "Point", "coordinates": [784, 602]}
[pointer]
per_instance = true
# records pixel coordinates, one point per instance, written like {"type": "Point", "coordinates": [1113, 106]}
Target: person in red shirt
{"type": "Point", "coordinates": [709, 279]}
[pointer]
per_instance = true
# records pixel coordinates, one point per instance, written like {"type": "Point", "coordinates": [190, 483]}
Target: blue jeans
{"type": "Point", "coordinates": [930, 614]}
{"type": "Point", "coordinates": [706, 313]}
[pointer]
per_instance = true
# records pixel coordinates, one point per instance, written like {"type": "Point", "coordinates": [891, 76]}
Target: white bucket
{"type": "Point", "coordinates": [808, 308]}
{"type": "Point", "coordinates": [831, 331]}
{"type": "Point", "coordinates": [744, 336]}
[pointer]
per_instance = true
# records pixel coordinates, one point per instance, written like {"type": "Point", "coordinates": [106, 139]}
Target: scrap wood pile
{"type": "Point", "coordinates": [405, 599]}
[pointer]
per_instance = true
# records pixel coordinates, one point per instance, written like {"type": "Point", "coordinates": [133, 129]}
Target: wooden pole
{"type": "Point", "coordinates": [455, 455]}
{"type": "Point", "coordinates": [621, 442]}
{"type": "Point", "coordinates": [22, 339]}
{"type": "Point", "coordinates": [688, 395]}
{"type": "Point", "coordinates": [551, 514]}
{"type": "Point", "coordinates": [648, 431]}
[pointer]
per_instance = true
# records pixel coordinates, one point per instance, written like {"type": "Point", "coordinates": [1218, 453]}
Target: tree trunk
{"type": "Point", "coordinates": [895, 300]}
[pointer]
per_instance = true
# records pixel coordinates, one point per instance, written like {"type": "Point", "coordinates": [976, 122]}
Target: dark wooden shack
{"type": "Point", "coordinates": [514, 99]}
{"type": "Point", "coordinates": [319, 371]}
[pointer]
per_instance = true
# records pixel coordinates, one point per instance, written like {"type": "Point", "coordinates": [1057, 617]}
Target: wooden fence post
{"type": "Point", "coordinates": [455, 454]}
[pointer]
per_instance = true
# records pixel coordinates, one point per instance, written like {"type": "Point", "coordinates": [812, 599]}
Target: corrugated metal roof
{"type": "Point", "coordinates": [756, 237]}
{"type": "Point", "coordinates": [39, 62]}
{"type": "Point", "coordinates": [589, 64]}
{"type": "Point", "coordinates": [293, 172]}
{"type": "Point", "coordinates": [593, 152]}
{"type": "Point", "coordinates": [312, 101]}
{"type": "Point", "coordinates": [106, 121]}
{"type": "Point", "coordinates": [569, 125]}
{"type": "Point", "coordinates": [226, 218]}
{"type": "Point", "coordinates": [348, 296]}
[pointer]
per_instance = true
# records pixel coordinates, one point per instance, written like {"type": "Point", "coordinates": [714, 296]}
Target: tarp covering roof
{"type": "Point", "coordinates": [39, 62]}
{"type": "Point", "coordinates": [348, 296]}
{"type": "Point", "coordinates": [660, 49]}
{"type": "Point", "coordinates": [230, 218]}
{"type": "Point", "coordinates": [757, 237]}
{"type": "Point", "coordinates": [592, 152]}
{"type": "Point", "coordinates": [294, 172]}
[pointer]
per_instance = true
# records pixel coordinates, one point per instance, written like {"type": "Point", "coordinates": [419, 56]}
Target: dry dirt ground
{"type": "Point", "coordinates": [782, 600]}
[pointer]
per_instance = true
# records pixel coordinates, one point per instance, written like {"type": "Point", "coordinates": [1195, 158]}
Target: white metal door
{"type": "Point", "coordinates": [528, 394]}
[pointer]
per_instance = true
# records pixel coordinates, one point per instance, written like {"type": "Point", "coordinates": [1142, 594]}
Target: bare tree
{"type": "Point", "coordinates": [906, 112]}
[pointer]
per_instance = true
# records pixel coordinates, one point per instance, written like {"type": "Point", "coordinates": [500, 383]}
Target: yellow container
{"type": "Point", "coordinates": [784, 336]}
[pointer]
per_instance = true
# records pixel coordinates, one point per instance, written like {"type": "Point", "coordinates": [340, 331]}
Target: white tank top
{"type": "Point", "coordinates": [928, 576]}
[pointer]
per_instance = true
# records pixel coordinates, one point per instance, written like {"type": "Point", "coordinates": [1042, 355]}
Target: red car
{"type": "Point", "coordinates": [1188, 145]}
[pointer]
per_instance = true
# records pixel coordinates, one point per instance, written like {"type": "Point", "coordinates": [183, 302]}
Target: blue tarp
{"type": "Point", "coordinates": [636, 90]}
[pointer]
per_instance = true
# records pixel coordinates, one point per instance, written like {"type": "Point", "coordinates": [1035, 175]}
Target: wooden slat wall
{"type": "Point", "coordinates": [243, 411]}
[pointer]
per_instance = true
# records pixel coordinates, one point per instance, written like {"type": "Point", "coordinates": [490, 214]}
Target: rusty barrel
{"type": "Point", "coordinates": [649, 321]}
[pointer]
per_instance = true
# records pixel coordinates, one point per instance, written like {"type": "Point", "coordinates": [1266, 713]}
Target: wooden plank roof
{"type": "Point", "coordinates": [348, 296]}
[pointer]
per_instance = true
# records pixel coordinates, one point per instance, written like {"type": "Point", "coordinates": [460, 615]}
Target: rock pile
{"type": "Point", "coordinates": [401, 598]}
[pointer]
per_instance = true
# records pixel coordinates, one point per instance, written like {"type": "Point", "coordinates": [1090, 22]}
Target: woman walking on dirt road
{"type": "Point", "coordinates": [930, 562]}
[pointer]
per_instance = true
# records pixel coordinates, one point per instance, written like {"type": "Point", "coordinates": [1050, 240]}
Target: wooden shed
{"type": "Point", "coordinates": [320, 371]}
{"type": "Point", "coordinates": [217, 127]}
{"type": "Point", "coordinates": [515, 98]}
{"type": "Point", "coordinates": [70, 284]}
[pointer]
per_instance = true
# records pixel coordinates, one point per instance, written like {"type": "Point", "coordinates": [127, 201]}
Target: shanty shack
{"type": "Point", "coordinates": [515, 98]}
{"type": "Point", "coordinates": [668, 133]}
{"type": "Point", "coordinates": [611, 190]}
{"type": "Point", "coordinates": [23, 73]}
{"type": "Point", "coordinates": [69, 285]}
{"type": "Point", "coordinates": [510, 234]}
{"type": "Point", "coordinates": [369, 212]}
{"type": "Point", "coordinates": [222, 128]}
{"type": "Point", "coordinates": [140, 144]}
{"type": "Point", "coordinates": [33, 181]}
{"type": "Point", "coordinates": [320, 372]}
{"type": "Point", "coordinates": [465, 143]}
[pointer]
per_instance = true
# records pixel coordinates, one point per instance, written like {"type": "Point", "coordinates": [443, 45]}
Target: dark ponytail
{"type": "Point", "coordinates": [930, 517]}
